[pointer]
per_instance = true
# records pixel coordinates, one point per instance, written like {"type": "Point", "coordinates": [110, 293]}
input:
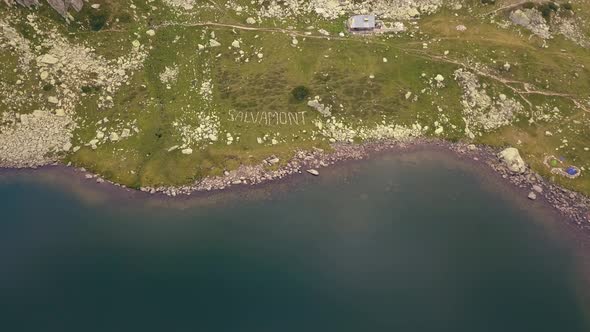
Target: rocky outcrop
{"type": "Point", "coordinates": [480, 110]}
{"type": "Point", "coordinates": [532, 20]}
{"type": "Point", "coordinates": [35, 140]}
{"type": "Point", "coordinates": [61, 6]}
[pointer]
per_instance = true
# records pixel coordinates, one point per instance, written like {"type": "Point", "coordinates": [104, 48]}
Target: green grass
{"type": "Point", "coordinates": [337, 70]}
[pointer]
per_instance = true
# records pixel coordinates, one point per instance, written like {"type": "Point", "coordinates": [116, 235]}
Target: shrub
{"type": "Point", "coordinates": [300, 93]}
{"type": "Point", "coordinates": [90, 89]}
{"type": "Point", "coordinates": [488, 2]}
{"type": "Point", "coordinates": [98, 21]}
{"type": "Point", "coordinates": [568, 6]}
{"type": "Point", "coordinates": [546, 11]}
{"type": "Point", "coordinates": [47, 87]}
{"type": "Point", "coordinates": [553, 6]}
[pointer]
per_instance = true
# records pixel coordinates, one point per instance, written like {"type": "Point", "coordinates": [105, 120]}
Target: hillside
{"type": "Point", "coordinates": [168, 92]}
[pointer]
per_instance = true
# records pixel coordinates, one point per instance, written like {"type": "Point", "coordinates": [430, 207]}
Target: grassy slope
{"type": "Point", "coordinates": [336, 70]}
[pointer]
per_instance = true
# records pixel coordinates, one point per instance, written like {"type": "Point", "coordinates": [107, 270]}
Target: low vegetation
{"type": "Point", "coordinates": [168, 92]}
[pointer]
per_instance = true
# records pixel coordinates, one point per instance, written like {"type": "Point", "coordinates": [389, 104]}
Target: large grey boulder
{"type": "Point", "coordinates": [512, 159]}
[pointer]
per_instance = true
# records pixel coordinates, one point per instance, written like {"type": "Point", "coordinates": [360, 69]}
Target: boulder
{"type": "Point", "coordinates": [532, 196]}
{"type": "Point", "coordinates": [49, 59]}
{"type": "Point", "coordinates": [313, 172]}
{"type": "Point", "coordinates": [511, 158]}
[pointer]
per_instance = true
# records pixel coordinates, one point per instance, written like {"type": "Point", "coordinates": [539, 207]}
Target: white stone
{"type": "Point", "coordinates": [187, 151]}
{"type": "Point", "coordinates": [250, 20]}
{"type": "Point", "coordinates": [313, 172]}
{"type": "Point", "coordinates": [151, 33]}
{"type": "Point", "coordinates": [67, 146]}
{"type": "Point", "coordinates": [114, 137]}
{"type": "Point", "coordinates": [214, 43]}
{"type": "Point", "coordinates": [53, 100]}
{"type": "Point", "coordinates": [49, 59]}
{"type": "Point", "coordinates": [439, 78]}
{"type": "Point", "coordinates": [384, 60]}
{"type": "Point", "coordinates": [235, 44]}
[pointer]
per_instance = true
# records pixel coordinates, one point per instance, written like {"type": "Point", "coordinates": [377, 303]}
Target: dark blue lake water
{"type": "Point", "coordinates": [418, 242]}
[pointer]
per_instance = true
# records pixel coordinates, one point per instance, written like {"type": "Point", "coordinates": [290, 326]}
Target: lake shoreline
{"type": "Point", "coordinates": [574, 206]}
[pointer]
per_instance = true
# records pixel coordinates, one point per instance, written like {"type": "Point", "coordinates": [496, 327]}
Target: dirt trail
{"type": "Point", "coordinates": [526, 89]}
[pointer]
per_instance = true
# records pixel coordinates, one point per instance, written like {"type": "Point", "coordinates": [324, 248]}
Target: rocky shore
{"type": "Point", "coordinates": [572, 205]}
{"type": "Point", "coordinates": [506, 163]}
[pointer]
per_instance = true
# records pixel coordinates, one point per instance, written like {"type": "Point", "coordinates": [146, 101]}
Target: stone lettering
{"type": "Point", "coordinates": [268, 118]}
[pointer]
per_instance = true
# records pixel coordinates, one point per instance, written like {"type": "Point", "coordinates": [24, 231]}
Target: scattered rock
{"type": "Point", "coordinates": [321, 108]}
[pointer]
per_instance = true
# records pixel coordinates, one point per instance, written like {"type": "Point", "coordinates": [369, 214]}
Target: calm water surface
{"type": "Point", "coordinates": [419, 242]}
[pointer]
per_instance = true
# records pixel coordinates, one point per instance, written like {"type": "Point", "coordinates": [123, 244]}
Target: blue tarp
{"type": "Point", "coordinates": [572, 170]}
